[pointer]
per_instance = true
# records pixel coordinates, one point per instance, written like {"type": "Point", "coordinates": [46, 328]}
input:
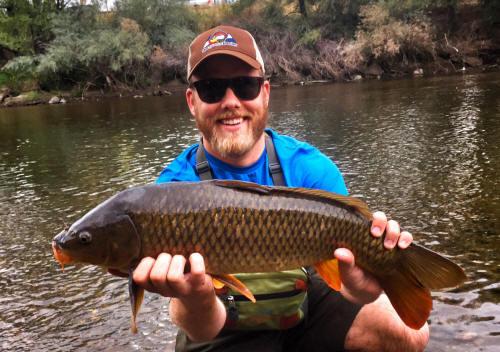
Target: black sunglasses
{"type": "Point", "coordinates": [212, 90]}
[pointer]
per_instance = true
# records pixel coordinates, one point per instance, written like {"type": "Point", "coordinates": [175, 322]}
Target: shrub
{"type": "Point", "coordinates": [383, 37]}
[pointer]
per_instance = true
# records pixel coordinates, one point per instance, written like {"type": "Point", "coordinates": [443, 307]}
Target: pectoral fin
{"type": "Point", "coordinates": [232, 282]}
{"type": "Point", "coordinates": [329, 272]}
{"type": "Point", "coordinates": [136, 296]}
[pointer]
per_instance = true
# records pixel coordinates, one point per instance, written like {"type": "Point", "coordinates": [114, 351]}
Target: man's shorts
{"type": "Point", "coordinates": [324, 328]}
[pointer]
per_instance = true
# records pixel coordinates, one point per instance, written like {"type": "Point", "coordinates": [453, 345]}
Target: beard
{"type": "Point", "coordinates": [233, 144]}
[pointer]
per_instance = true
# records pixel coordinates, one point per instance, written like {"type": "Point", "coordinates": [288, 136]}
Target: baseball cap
{"type": "Point", "coordinates": [227, 40]}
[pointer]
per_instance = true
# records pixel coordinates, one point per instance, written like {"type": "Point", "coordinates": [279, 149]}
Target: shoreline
{"type": "Point", "coordinates": [39, 97]}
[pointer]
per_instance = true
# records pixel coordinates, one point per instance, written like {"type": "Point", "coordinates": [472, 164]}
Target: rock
{"type": "Point", "coordinates": [138, 96]}
{"type": "Point", "coordinates": [159, 92]}
{"type": "Point", "coordinates": [54, 100]}
{"type": "Point", "coordinates": [21, 99]}
{"type": "Point", "coordinates": [357, 78]}
{"type": "Point", "coordinates": [418, 72]}
{"type": "Point", "coordinates": [473, 61]}
{"type": "Point", "coordinates": [62, 101]}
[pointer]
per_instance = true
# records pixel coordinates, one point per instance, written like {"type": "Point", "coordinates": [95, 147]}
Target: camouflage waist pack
{"type": "Point", "coordinates": [281, 301]}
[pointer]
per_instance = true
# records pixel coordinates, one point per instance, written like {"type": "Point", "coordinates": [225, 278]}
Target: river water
{"type": "Point", "coordinates": [426, 151]}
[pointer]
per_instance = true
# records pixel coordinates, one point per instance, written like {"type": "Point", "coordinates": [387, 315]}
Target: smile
{"type": "Point", "coordinates": [233, 121]}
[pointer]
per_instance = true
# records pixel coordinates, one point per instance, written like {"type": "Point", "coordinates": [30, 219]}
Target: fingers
{"type": "Point", "coordinates": [393, 234]}
{"type": "Point", "coordinates": [378, 223]}
{"type": "Point", "coordinates": [165, 275]}
{"type": "Point", "coordinates": [405, 240]}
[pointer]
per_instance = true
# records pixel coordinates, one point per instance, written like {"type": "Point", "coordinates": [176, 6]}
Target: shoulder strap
{"type": "Point", "coordinates": [202, 165]}
{"type": "Point", "coordinates": [274, 163]}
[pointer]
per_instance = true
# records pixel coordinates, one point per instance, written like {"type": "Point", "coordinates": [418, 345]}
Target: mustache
{"type": "Point", "coordinates": [231, 114]}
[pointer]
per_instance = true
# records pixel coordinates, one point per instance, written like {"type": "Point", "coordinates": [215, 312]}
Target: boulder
{"type": "Point", "coordinates": [54, 100]}
{"type": "Point", "coordinates": [473, 61]}
{"type": "Point", "coordinates": [21, 99]}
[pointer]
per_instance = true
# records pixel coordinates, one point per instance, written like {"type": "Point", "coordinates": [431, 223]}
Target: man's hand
{"type": "Point", "coordinates": [359, 286]}
{"type": "Point", "coordinates": [194, 306]}
{"type": "Point", "coordinates": [166, 276]}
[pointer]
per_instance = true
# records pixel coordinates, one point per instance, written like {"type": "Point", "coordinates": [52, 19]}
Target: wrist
{"type": "Point", "coordinates": [201, 321]}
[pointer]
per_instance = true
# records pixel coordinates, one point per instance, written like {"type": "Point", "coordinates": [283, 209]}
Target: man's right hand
{"type": "Point", "coordinates": [165, 275]}
{"type": "Point", "coordinates": [194, 306]}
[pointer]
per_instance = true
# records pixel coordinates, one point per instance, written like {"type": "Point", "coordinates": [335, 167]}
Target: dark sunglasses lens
{"type": "Point", "coordinates": [211, 90]}
{"type": "Point", "coordinates": [247, 88]}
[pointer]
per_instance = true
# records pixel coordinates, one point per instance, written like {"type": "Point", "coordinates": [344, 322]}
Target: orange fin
{"type": "Point", "coordinates": [419, 270]}
{"type": "Point", "coordinates": [217, 283]}
{"type": "Point", "coordinates": [232, 282]}
{"type": "Point", "coordinates": [412, 301]}
{"type": "Point", "coordinates": [329, 272]}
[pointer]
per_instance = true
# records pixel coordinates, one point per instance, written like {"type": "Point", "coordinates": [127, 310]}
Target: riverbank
{"type": "Point", "coordinates": [38, 97]}
{"type": "Point", "coordinates": [315, 44]}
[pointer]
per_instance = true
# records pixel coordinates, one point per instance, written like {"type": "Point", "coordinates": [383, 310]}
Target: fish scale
{"type": "Point", "coordinates": [240, 227]}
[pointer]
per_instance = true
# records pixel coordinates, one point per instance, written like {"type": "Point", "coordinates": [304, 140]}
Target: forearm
{"type": "Point", "coordinates": [377, 327]}
{"type": "Point", "coordinates": [201, 320]}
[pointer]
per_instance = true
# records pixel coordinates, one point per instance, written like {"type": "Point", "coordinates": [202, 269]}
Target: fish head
{"type": "Point", "coordinates": [107, 239]}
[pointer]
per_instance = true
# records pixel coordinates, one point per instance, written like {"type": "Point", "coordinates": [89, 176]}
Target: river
{"type": "Point", "coordinates": [425, 150]}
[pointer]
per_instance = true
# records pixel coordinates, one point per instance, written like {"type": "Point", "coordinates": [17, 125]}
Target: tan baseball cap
{"type": "Point", "coordinates": [224, 40]}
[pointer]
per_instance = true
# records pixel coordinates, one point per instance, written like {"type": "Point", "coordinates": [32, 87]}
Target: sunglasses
{"type": "Point", "coordinates": [214, 89]}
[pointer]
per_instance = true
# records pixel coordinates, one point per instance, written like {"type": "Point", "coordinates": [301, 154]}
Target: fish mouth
{"type": "Point", "coordinates": [61, 256]}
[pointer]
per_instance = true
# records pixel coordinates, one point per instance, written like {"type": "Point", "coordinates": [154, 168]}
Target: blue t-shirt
{"type": "Point", "coordinates": [303, 166]}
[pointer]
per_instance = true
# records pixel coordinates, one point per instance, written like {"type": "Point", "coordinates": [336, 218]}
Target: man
{"type": "Point", "coordinates": [228, 96]}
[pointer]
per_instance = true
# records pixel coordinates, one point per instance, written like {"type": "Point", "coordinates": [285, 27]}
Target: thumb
{"type": "Point", "coordinates": [345, 258]}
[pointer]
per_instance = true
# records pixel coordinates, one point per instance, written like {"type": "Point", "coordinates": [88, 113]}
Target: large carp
{"type": "Point", "coordinates": [241, 227]}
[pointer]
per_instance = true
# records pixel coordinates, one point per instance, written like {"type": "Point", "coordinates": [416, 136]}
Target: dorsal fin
{"type": "Point", "coordinates": [355, 204]}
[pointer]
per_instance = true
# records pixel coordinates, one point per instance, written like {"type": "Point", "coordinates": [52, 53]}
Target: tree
{"type": "Point", "coordinates": [25, 26]}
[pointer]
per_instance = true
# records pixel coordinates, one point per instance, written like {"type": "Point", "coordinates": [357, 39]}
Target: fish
{"type": "Point", "coordinates": [242, 227]}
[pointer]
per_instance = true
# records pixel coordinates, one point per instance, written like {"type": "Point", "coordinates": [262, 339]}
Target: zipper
{"type": "Point", "coordinates": [265, 296]}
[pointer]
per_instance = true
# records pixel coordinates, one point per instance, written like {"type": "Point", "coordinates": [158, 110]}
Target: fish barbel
{"type": "Point", "coordinates": [241, 227]}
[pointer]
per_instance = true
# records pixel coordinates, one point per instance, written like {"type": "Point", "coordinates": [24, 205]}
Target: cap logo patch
{"type": "Point", "coordinates": [219, 38]}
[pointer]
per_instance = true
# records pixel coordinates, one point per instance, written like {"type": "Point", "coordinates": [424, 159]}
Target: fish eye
{"type": "Point", "coordinates": [85, 237]}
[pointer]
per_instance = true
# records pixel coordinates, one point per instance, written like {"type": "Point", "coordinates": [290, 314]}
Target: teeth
{"type": "Point", "coordinates": [232, 121]}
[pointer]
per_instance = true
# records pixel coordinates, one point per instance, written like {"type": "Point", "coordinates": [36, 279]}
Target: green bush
{"type": "Point", "coordinates": [94, 51]}
{"type": "Point", "coordinates": [19, 71]}
{"type": "Point", "coordinates": [167, 23]}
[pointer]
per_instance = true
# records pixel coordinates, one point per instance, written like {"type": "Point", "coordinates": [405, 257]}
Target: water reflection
{"type": "Point", "coordinates": [426, 151]}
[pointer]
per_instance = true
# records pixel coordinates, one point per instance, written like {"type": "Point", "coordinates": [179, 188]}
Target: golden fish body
{"type": "Point", "coordinates": [238, 231]}
{"type": "Point", "coordinates": [242, 227]}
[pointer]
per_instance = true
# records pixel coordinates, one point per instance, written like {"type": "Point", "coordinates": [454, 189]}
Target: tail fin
{"type": "Point", "coordinates": [431, 269]}
{"type": "Point", "coordinates": [420, 270]}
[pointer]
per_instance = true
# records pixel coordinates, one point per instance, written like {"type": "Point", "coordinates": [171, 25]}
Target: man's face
{"type": "Point", "coordinates": [232, 126]}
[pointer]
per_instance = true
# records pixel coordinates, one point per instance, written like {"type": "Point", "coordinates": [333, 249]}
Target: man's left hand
{"type": "Point", "coordinates": [359, 286]}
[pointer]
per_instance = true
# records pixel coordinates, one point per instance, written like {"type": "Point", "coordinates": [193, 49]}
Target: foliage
{"type": "Point", "coordinates": [64, 44]}
{"type": "Point", "coordinates": [491, 13]}
{"type": "Point", "coordinates": [167, 23]}
{"type": "Point", "coordinates": [94, 50]}
{"type": "Point", "coordinates": [386, 38]}
{"type": "Point", "coordinates": [18, 71]}
{"type": "Point", "coordinates": [25, 25]}
{"type": "Point", "coordinates": [338, 18]}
